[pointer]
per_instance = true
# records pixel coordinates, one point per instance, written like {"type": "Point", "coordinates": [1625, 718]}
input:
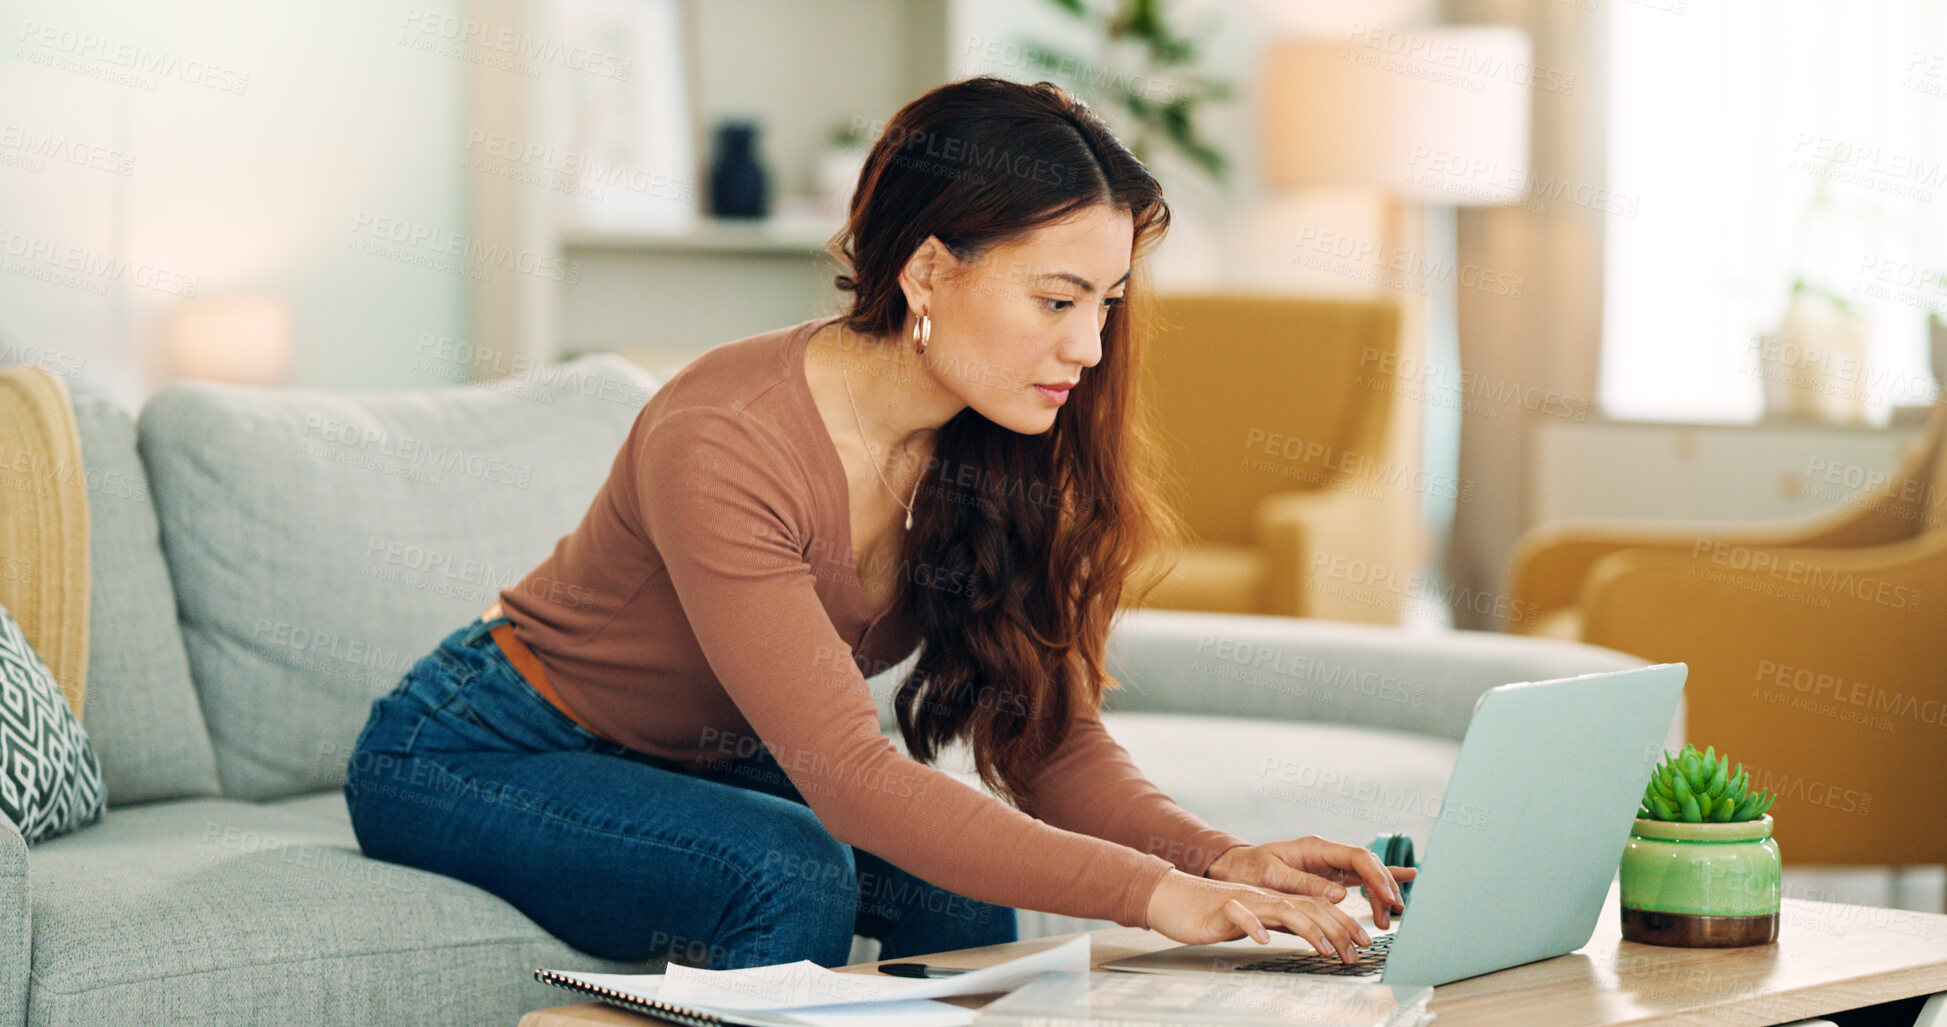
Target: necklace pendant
{"type": "Point", "coordinates": [909, 520]}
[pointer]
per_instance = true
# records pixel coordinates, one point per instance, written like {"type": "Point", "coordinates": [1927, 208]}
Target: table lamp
{"type": "Point", "coordinates": [1435, 115]}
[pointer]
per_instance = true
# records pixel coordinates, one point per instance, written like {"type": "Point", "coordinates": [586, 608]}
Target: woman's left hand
{"type": "Point", "coordinates": [1314, 866]}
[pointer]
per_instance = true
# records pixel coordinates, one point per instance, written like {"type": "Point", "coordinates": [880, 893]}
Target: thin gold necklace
{"type": "Point", "coordinates": [860, 421]}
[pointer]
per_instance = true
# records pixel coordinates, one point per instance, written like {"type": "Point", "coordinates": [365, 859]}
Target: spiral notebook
{"type": "Point", "coordinates": [804, 993]}
{"type": "Point", "coordinates": [632, 1001]}
{"type": "Point", "coordinates": [889, 1011]}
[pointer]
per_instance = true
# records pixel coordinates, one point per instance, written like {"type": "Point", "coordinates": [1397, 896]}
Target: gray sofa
{"type": "Point", "coordinates": [265, 562]}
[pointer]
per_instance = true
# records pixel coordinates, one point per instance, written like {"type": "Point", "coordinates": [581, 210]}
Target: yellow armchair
{"type": "Point", "coordinates": [1276, 416]}
{"type": "Point", "coordinates": [1817, 649]}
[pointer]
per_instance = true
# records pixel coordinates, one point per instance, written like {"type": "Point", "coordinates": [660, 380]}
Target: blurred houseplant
{"type": "Point", "coordinates": [1701, 869]}
{"type": "Point", "coordinates": [1143, 72]}
{"type": "Point", "coordinates": [1812, 363]}
{"type": "Point", "coordinates": [839, 166]}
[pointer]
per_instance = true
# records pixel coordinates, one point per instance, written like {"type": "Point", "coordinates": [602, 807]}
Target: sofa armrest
{"type": "Point", "coordinates": [1282, 668]}
{"type": "Point", "coordinates": [1738, 593]}
{"type": "Point", "coordinates": [1551, 564]}
{"type": "Point", "coordinates": [16, 930]}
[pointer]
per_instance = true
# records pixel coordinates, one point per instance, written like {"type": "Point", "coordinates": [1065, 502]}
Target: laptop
{"type": "Point", "coordinates": [1542, 797]}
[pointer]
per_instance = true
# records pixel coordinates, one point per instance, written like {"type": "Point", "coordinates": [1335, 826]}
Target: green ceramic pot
{"type": "Point", "coordinates": [1705, 885]}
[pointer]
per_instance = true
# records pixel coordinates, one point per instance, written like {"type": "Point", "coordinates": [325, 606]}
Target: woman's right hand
{"type": "Point", "coordinates": [1200, 911]}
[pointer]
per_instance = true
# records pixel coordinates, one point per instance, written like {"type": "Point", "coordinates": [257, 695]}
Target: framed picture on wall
{"type": "Point", "coordinates": [625, 115]}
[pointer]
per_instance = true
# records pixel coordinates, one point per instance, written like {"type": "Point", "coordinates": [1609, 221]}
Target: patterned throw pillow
{"type": "Point", "coordinates": [50, 782]}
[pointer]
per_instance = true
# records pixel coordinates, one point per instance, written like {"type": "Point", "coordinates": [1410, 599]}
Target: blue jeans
{"type": "Point", "coordinates": [465, 770]}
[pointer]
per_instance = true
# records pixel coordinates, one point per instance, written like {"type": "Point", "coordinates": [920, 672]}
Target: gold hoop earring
{"type": "Point", "coordinates": [922, 333]}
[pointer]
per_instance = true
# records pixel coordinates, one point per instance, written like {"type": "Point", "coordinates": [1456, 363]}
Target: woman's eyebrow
{"type": "Point", "coordinates": [1081, 283]}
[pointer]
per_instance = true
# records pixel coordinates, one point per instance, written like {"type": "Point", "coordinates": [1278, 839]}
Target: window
{"type": "Point", "coordinates": [1768, 142]}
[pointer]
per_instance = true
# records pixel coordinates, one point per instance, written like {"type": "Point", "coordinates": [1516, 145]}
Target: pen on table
{"type": "Point", "coordinates": [920, 970]}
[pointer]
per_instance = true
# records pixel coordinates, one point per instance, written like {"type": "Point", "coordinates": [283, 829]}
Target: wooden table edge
{"type": "Point", "coordinates": [1484, 999]}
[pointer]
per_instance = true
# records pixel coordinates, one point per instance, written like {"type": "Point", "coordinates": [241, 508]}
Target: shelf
{"type": "Point", "coordinates": [1903, 421]}
{"type": "Point", "coordinates": [787, 234]}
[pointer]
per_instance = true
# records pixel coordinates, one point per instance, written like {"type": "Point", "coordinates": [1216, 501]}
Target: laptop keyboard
{"type": "Point", "coordinates": [1370, 960]}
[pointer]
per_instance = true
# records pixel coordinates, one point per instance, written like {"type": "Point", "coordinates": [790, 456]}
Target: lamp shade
{"type": "Point", "coordinates": [245, 339]}
{"type": "Point", "coordinates": [1438, 114]}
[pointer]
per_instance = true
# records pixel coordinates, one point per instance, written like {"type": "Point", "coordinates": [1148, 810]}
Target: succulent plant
{"type": "Point", "coordinates": [1699, 787]}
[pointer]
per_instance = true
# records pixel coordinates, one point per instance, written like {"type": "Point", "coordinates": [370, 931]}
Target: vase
{"type": "Point", "coordinates": [1813, 368]}
{"type": "Point", "coordinates": [1701, 885]}
{"type": "Point", "coordinates": [739, 187]}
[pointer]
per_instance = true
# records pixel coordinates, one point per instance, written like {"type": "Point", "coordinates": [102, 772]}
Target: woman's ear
{"type": "Point", "coordinates": [930, 260]}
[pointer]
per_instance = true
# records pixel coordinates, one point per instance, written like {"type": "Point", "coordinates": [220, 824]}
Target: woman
{"type": "Point", "coordinates": [661, 739]}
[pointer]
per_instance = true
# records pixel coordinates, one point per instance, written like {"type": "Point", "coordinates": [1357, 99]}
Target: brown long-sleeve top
{"type": "Point", "coordinates": [709, 599]}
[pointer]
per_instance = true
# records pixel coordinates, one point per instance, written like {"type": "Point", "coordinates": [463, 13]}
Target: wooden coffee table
{"type": "Point", "coordinates": [1829, 957]}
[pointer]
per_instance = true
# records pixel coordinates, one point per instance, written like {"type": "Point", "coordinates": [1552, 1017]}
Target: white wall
{"type": "Point", "coordinates": [1233, 235]}
{"type": "Point", "coordinates": [340, 111]}
{"type": "Point", "coordinates": [328, 113]}
{"type": "Point", "coordinates": [800, 68]}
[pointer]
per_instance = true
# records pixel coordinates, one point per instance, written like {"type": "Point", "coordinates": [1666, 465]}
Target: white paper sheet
{"type": "Point", "coordinates": [807, 993]}
{"type": "Point", "coordinates": [805, 984]}
{"type": "Point", "coordinates": [906, 1013]}
{"type": "Point", "coordinates": [780, 986]}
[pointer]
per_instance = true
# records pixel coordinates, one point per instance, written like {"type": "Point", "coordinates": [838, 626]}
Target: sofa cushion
{"type": "Point", "coordinates": [322, 542]}
{"type": "Point", "coordinates": [1326, 672]}
{"type": "Point", "coordinates": [215, 911]}
{"type": "Point", "coordinates": [141, 713]}
{"type": "Point", "coordinates": [1264, 780]}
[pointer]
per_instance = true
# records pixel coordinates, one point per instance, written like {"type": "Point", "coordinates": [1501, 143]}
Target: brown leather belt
{"type": "Point", "coordinates": [530, 670]}
{"type": "Point", "coordinates": [529, 667]}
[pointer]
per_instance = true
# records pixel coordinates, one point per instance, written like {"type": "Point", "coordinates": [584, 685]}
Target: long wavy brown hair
{"type": "Point", "coordinates": [1012, 581]}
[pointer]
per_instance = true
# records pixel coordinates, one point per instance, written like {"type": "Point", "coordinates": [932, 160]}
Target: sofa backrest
{"type": "Point", "coordinates": [141, 714]}
{"type": "Point", "coordinates": [321, 542]}
{"type": "Point", "coordinates": [1328, 672]}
